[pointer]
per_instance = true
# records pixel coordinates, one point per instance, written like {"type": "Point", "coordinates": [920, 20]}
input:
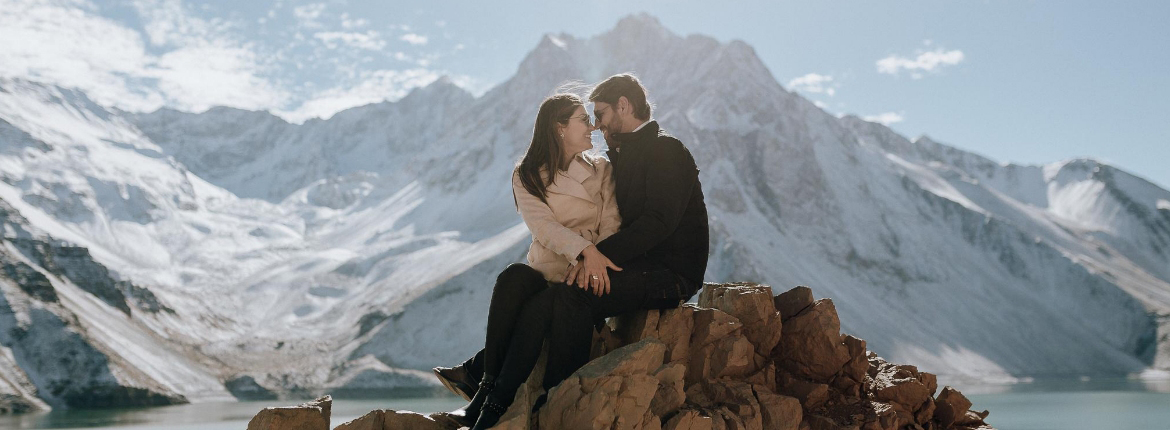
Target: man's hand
{"type": "Point", "coordinates": [591, 272]}
{"type": "Point", "coordinates": [571, 274]}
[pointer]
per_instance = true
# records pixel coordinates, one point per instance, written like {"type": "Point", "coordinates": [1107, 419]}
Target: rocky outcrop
{"type": "Point", "coordinates": [739, 359]}
{"type": "Point", "coordinates": [312, 415]}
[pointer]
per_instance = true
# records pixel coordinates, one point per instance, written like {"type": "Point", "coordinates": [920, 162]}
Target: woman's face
{"type": "Point", "coordinates": [577, 132]}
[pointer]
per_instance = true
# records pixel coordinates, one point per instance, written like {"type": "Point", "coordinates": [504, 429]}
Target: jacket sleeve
{"type": "Point", "coordinates": [544, 226]}
{"type": "Point", "coordinates": [611, 219]}
{"type": "Point", "coordinates": [669, 182]}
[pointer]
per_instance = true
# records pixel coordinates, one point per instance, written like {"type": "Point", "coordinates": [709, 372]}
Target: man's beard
{"type": "Point", "coordinates": [613, 127]}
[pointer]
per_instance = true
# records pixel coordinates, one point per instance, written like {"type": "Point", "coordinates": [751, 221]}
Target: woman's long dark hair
{"type": "Point", "coordinates": [545, 150]}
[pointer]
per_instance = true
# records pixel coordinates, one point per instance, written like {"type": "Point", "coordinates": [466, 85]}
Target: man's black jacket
{"type": "Point", "coordinates": [664, 219]}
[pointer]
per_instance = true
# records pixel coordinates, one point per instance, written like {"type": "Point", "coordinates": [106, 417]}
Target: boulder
{"type": "Point", "coordinates": [951, 406]}
{"type": "Point", "coordinates": [811, 345]}
{"type": "Point", "coordinates": [792, 302]}
{"type": "Point", "coordinates": [752, 305]}
{"type": "Point", "coordinates": [312, 415]}
{"type": "Point", "coordinates": [612, 392]}
{"type": "Point", "coordinates": [779, 412]}
{"type": "Point", "coordinates": [388, 419]}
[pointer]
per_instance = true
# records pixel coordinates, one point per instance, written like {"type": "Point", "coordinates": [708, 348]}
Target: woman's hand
{"type": "Point", "coordinates": [591, 273]}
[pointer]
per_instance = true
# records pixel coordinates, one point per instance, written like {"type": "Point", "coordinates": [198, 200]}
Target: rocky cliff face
{"type": "Point", "coordinates": [58, 352]}
{"type": "Point", "coordinates": [739, 359]}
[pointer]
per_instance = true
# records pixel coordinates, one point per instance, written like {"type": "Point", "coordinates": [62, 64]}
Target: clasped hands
{"type": "Point", "coordinates": [590, 273]}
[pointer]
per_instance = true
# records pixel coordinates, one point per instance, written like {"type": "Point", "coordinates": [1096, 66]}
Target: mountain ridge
{"type": "Point", "coordinates": [345, 238]}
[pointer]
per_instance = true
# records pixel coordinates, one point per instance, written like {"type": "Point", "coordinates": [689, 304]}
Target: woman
{"type": "Point", "coordinates": [565, 197]}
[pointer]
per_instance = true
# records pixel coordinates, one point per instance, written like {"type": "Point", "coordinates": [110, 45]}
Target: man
{"type": "Point", "coordinates": [662, 247]}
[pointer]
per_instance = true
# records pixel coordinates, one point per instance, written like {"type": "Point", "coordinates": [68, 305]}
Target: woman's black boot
{"type": "Point", "coordinates": [489, 415]}
{"type": "Point", "coordinates": [470, 414]}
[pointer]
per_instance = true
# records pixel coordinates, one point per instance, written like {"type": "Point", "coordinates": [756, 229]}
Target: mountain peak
{"type": "Point", "coordinates": [640, 28]}
{"type": "Point", "coordinates": [640, 20]}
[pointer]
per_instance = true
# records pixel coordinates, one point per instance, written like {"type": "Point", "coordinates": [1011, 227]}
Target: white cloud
{"type": "Point", "coordinates": [414, 39]}
{"type": "Point", "coordinates": [814, 83]}
{"type": "Point", "coordinates": [350, 24]}
{"type": "Point", "coordinates": [167, 23]}
{"type": "Point", "coordinates": [370, 40]}
{"type": "Point", "coordinates": [886, 118]}
{"type": "Point", "coordinates": [67, 44]}
{"type": "Point", "coordinates": [308, 14]}
{"type": "Point", "coordinates": [925, 61]}
{"type": "Point", "coordinates": [181, 60]}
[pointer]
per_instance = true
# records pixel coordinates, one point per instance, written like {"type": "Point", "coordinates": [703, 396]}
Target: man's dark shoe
{"type": "Point", "coordinates": [458, 380]}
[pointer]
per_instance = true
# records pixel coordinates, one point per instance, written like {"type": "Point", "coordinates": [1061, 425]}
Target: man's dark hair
{"type": "Point", "coordinates": [623, 85]}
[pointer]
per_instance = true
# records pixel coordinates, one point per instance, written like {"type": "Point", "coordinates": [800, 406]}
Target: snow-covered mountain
{"type": "Point", "coordinates": [241, 254]}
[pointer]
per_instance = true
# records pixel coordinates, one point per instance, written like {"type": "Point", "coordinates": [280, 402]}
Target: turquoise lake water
{"type": "Point", "coordinates": [1057, 404]}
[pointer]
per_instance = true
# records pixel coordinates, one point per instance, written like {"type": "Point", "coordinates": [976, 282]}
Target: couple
{"type": "Point", "coordinates": [608, 237]}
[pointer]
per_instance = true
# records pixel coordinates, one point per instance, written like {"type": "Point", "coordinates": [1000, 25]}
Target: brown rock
{"type": "Point", "coordinates": [881, 416]}
{"type": "Point", "coordinates": [779, 412]}
{"type": "Point", "coordinates": [752, 305]}
{"type": "Point", "coordinates": [689, 419]}
{"type": "Point", "coordinates": [732, 356]}
{"type": "Point", "coordinates": [731, 404]}
{"type": "Point", "coordinates": [811, 345]}
{"type": "Point", "coordinates": [371, 421]}
{"type": "Point", "coordinates": [791, 302]}
{"type": "Point", "coordinates": [930, 380]}
{"type": "Point", "coordinates": [711, 325]}
{"type": "Point", "coordinates": [740, 399]}
{"type": "Point", "coordinates": [973, 419]}
{"type": "Point", "coordinates": [817, 422]}
{"type": "Point", "coordinates": [852, 376]}
{"type": "Point", "coordinates": [613, 391]}
{"type": "Point", "coordinates": [765, 377]}
{"type": "Point", "coordinates": [312, 415]}
{"type": "Point", "coordinates": [671, 394]}
{"type": "Point", "coordinates": [674, 330]}
{"type": "Point", "coordinates": [810, 394]}
{"type": "Point", "coordinates": [925, 412]}
{"type": "Point", "coordinates": [650, 421]}
{"type": "Point", "coordinates": [951, 406]}
{"type": "Point", "coordinates": [670, 326]}
{"type": "Point", "coordinates": [388, 419]}
{"type": "Point", "coordinates": [902, 386]}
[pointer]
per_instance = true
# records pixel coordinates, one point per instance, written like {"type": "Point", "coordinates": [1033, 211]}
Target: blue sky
{"type": "Point", "coordinates": [1018, 81]}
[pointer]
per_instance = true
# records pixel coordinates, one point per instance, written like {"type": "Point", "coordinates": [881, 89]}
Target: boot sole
{"type": "Point", "coordinates": [452, 385]}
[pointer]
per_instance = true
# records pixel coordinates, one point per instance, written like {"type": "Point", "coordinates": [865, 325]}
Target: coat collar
{"type": "Point", "coordinates": [648, 131]}
{"type": "Point", "coordinates": [569, 181]}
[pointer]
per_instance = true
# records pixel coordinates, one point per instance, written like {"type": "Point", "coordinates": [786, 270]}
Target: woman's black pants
{"type": "Point", "coordinates": [515, 285]}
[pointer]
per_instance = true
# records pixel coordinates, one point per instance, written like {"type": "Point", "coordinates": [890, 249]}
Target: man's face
{"type": "Point", "coordinates": [607, 121]}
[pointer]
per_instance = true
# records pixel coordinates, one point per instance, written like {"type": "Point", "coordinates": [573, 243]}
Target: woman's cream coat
{"type": "Point", "coordinates": [581, 211]}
